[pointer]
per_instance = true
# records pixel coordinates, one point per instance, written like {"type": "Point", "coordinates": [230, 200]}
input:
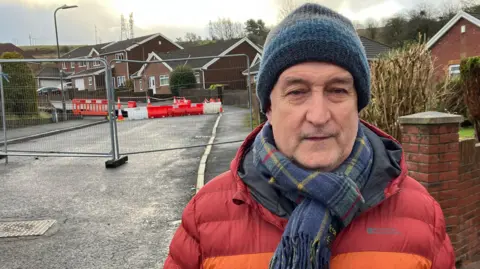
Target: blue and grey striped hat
{"type": "Point", "coordinates": [313, 33]}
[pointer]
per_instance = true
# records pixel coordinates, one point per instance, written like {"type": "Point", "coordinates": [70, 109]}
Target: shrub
{"type": "Point", "coordinates": [401, 85]}
{"type": "Point", "coordinates": [182, 77]}
{"type": "Point", "coordinates": [470, 75]}
{"type": "Point", "coordinates": [451, 97]}
{"type": "Point", "coordinates": [19, 87]}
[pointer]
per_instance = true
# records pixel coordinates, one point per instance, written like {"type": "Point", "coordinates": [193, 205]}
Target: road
{"type": "Point", "coordinates": [222, 155]}
{"type": "Point", "coordinates": [121, 218]}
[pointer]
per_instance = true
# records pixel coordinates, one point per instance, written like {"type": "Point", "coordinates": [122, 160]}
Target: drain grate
{"type": "Point", "coordinates": [25, 228]}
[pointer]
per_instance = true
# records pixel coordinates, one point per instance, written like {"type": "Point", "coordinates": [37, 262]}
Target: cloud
{"type": "Point", "coordinates": [171, 18]}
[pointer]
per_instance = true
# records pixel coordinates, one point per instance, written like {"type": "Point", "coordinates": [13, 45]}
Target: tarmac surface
{"type": "Point", "coordinates": [106, 218]}
{"type": "Point", "coordinates": [234, 126]}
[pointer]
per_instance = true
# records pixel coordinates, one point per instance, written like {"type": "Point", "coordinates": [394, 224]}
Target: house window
{"type": "Point", "coordinates": [90, 81]}
{"type": "Point", "coordinates": [121, 81]}
{"type": "Point", "coordinates": [454, 70]}
{"type": "Point", "coordinates": [464, 28]}
{"type": "Point", "coordinates": [151, 82]}
{"type": "Point", "coordinates": [140, 84]}
{"type": "Point", "coordinates": [119, 56]}
{"type": "Point", "coordinates": [164, 80]}
{"type": "Point", "coordinates": [64, 65]}
{"type": "Point", "coordinates": [255, 78]}
{"type": "Point", "coordinates": [197, 77]}
{"type": "Point", "coordinates": [96, 63]}
{"type": "Point", "coordinates": [72, 65]}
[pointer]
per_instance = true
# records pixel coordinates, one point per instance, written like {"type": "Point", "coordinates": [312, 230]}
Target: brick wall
{"type": "Point", "coordinates": [469, 200]}
{"type": "Point", "coordinates": [450, 170]}
{"type": "Point", "coordinates": [198, 95]}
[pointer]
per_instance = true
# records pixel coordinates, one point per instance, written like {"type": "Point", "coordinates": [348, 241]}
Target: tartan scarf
{"type": "Point", "coordinates": [327, 201]}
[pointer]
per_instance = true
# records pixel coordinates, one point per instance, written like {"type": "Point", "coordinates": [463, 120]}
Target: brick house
{"type": "Point", "coordinates": [9, 47]}
{"type": "Point", "coordinates": [459, 38]}
{"type": "Point", "coordinates": [91, 76]}
{"type": "Point", "coordinates": [208, 71]}
{"type": "Point", "coordinates": [373, 49]}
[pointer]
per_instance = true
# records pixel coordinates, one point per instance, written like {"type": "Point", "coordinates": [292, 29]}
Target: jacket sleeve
{"type": "Point", "coordinates": [184, 251]}
{"type": "Point", "coordinates": [445, 256]}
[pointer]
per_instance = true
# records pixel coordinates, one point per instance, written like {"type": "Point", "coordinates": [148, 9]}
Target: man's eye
{"type": "Point", "coordinates": [338, 91]}
{"type": "Point", "coordinates": [296, 92]}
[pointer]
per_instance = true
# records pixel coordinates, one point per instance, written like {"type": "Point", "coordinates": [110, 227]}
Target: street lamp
{"type": "Point", "coordinates": [64, 107]}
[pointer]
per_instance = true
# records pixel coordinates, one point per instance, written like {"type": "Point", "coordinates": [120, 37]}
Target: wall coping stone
{"type": "Point", "coordinates": [430, 118]}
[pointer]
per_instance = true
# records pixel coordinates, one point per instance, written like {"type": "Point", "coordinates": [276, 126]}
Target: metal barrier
{"type": "Point", "coordinates": [68, 128]}
{"type": "Point", "coordinates": [199, 94]}
{"type": "Point", "coordinates": [83, 123]}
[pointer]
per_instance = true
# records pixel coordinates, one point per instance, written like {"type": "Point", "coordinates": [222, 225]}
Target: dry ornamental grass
{"type": "Point", "coordinates": [401, 85]}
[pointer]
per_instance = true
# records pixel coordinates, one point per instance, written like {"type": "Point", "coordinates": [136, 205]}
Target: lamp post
{"type": "Point", "coordinates": [64, 107]}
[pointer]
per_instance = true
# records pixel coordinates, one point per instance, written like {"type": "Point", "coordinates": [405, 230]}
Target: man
{"type": "Point", "coordinates": [314, 187]}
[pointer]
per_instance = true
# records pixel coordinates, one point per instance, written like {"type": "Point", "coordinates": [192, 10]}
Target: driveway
{"type": "Point", "coordinates": [121, 218]}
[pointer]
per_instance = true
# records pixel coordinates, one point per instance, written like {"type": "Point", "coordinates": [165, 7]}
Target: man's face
{"type": "Point", "coordinates": [314, 114]}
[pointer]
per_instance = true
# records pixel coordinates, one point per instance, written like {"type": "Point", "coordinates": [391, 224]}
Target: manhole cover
{"type": "Point", "coordinates": [25, 228]}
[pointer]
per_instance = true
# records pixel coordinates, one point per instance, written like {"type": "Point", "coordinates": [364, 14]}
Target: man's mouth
{"type": "Point", "coordinates": [317, 138]}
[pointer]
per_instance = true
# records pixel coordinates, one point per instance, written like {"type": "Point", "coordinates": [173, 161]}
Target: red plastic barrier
{"type": "Point", "coordinates": [178, 110]}
{"type": "Point", "coordinates": [158, 111]}
{"type": "Point", "coordinates": [90, 107]}
{"type": "Point", "coordinates": [195, 109]}
{"type": "Point", "coordinates": [132, 104]}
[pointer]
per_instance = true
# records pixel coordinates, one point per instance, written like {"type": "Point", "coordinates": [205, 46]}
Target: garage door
{"type": "Point", "coordinates": [49, 83]}
{"type": "Point", "coordinates": [80, 84]}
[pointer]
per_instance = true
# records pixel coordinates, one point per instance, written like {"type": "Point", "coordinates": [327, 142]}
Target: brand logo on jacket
{"type": "Point", "coordinates": [382, 231]}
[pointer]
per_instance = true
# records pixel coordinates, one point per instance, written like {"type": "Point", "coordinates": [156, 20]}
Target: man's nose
{"type": "Point", "coordinates": [318, 112]}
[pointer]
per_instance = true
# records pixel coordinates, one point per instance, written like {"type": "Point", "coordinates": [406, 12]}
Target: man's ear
{"type": "Point", "coordinates": [269, 115]}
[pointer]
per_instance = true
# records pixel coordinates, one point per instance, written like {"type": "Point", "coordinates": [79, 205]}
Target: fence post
{"type": "Point", "coordinates": [4, 115]}
{"type": "Point", "coordinates": [116, 160]}
{"type": "Point", "coordinates": [431, 145]}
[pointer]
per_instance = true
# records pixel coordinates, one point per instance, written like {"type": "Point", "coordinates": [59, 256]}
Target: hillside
{"type": "Point", "coordinates": [47, 51]}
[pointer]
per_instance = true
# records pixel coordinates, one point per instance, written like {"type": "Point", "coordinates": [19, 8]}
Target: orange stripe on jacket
{"type": "Point", "coordinates": [246, 261]}
{"type": "Point", "coordinates": [379, 260]}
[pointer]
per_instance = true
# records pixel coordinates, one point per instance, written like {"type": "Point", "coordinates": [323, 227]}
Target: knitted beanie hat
{"type": "Point", "coordinates": [313, 33]}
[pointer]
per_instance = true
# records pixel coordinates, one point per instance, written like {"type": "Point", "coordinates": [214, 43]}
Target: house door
{"type": "Point", "coordinates": [152, 84]}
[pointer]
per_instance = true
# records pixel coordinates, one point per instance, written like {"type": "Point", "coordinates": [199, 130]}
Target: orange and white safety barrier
{"type": "Point", "coordinates": [212, 107]}
{"type": "Point", "coordinates": [90, 107]}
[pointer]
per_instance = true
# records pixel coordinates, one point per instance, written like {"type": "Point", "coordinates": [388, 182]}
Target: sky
{"type": "Point", "coordinates": [34, 18]}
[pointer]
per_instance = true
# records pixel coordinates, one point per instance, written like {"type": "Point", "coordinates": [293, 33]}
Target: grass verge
{"type": "Point", "coordinates": [467, 132]}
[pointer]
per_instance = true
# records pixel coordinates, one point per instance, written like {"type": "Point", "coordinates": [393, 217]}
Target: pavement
{"type": "Point", "coordinates": [16, 133]}
{"type": "Point", "coordinates": [232, 127]}
{"type": "Point", "coordinates": [106, 218]}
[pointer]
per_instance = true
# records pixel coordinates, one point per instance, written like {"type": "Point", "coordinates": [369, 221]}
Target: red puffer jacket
{"type": "Point", "coordinates": [227, 224]}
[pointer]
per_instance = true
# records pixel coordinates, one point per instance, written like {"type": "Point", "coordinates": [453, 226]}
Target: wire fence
{"type": "Point", "coordinates": [89, 108]}
{"type": "Point", "coordinates": [38, 115]}
{"type": "Point", "coordinates": [168, 83]}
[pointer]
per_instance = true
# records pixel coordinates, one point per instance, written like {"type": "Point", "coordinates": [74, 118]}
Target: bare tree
{"type": "Point", "coordinates": [372, 28]}
{"type": "Point", "coordinates": [225, 29]}
{"type": "Point", "coordinates": [472, 6]}
{"type": "Point", "coordinates": [192, 37]}
{"type": "Point", "coordinates": [285, 7]}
